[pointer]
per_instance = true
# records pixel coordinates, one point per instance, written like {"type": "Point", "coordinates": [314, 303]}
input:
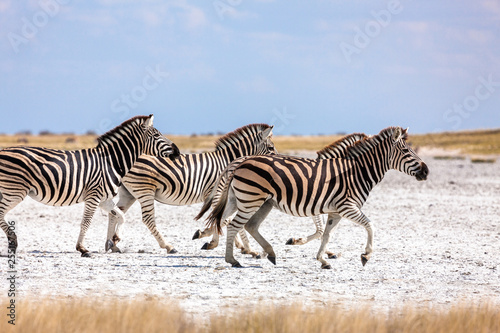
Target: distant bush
{"type": "Point", "coordinates": [483, 160]}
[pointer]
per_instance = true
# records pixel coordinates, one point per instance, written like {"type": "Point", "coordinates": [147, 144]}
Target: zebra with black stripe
{"type": "Point", "coordinates": [337, 149]}
{"type": "Point", "coordinates": [185, 181]}
{"type": "Point", "coordinates": [305, 187]}
{"type": "Point", "coordinates": [63, 178]}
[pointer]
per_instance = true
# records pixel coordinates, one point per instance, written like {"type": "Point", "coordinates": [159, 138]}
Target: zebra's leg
{"type": "Point", "coordinates": [215, 237]}
{"type": "Point", "coordinates": [244, 245]}
{"type": "Point", "coordinates": [331, 224]}
{"type": "Point", "coordinates": [234, 226]}
{"type": "Point", "coordinates": [7, 202]}
{"type": "Point", "coordinates": [203, 233]}
{"type": "Point", "coordinates": [9, 232]}
{"type": "Point", "coordinates": [116, 217]}
{"type": "Point", "coordinates": [88, 213]}
{"type": "Point", "coordinates": [358, 217]}
{"type": "Point", "coordinates": [319, 232]}
{"type": "Point", "coordinates": [148, 218]}
{"type": "Point", "coordinates": [253, 229]}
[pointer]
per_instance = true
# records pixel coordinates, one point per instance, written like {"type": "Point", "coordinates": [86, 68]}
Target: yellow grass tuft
{"type": "Point", "coordinates": [151, 315]}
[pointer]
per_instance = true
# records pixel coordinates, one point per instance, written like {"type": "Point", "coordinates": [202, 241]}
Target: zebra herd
{"type": "Point", "coordinates": [244, 176]}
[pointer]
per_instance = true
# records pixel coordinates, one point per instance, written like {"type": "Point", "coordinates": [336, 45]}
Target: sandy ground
{"type": "Point", "coordinates": [436, 243]}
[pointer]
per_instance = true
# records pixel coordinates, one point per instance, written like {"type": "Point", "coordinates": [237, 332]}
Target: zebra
{"type": "Point", "coordinates": [305, 187]}
{"type": "Point", "coordinates": [185, 181]}
{"type": "Point", "coordinates": [337, 149]}
{"type": "Point", "coordinates": [63, 178]}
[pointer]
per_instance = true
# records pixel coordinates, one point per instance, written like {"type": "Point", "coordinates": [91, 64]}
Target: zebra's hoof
{"type": "Point", "coordinates": [364, 258]}
{"type": "Point", "coordinates": [333, 255]}
{"type": "Point", "coordinates": [86, 254]}
{"type": "Point", "coordinates": [205, 246]}
{"type": "Point", "coordinates": [109, 245]}
{"type": "Point", "coordinates": [116, 250]}
{"type": "Point", "coordinates": [327, 266]}
{"type": "Point", "coordinates": [236, 265]}
{"type": "Point", "coordinates": [258, 256]}
{"type": "Point", "coordinates": [172, 251]}
{"type": "Point", "coordinates": [291, 241]}
{"type": "Point", "coordinates": [272, 259]}
{"type": "Point", "coordinates": [197, 234]}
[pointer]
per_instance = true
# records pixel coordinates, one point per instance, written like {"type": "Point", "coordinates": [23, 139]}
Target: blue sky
{"type": "Point", "coordinates": [307, 67]}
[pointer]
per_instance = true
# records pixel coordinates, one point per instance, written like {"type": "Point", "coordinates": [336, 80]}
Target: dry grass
{"type": "Point", "coordinates": [88, 315]}
{"type": "Point", "coordinates": [484, 142]}
{"type": "Point", "coordinates": [467, 142]}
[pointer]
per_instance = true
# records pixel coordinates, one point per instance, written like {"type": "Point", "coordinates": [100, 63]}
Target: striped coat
{"type": "Point", "coordinates": [62, 178]}
{"type": "Point", "coordinates": [185, 181]}
{"type": "Point", "coordinates": [338, 149]}
{"type": "Point", "coordinates": [304, 187]}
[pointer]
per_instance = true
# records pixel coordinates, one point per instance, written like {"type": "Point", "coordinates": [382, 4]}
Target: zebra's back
{"type": "Point", "coordinates": [185, 181]}
{"type": "Point", "coordinates": [50, 176]}
{"type": "Point", "coordinates": [298, 186]}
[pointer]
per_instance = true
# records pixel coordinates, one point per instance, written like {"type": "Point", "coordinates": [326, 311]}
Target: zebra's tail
{"type": "Point", "coordinates": [213, 198]}
{"type": "Point", "coordinates": [219, 196]}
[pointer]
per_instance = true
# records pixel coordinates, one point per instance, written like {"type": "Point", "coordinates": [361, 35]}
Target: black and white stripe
{"type": "Point", "coordinates": [62, 178]}
{"type": "Point", "coordinates": [185, 181]}
{"type": "Point", "coordinates": [304, 187]}
{"type": "Point", "coordinates": [338, 149]}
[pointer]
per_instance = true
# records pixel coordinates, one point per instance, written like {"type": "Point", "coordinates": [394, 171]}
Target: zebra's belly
{"type": "Point", "coordinates": [178, 200]}
{"type": "Point", "coordinates": [54, 199]}
{"type": "Point", "coordinates": [301, 211]}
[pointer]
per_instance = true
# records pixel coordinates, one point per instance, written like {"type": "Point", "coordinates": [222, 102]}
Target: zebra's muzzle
{"type": "Point", "coordinates": [423, 172]}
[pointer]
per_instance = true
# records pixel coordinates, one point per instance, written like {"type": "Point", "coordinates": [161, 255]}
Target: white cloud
{"type": "Point", "coordinates": [257, 84]}
{"type": "Point", "coordinates": [491, 6]}
{"type": "Point", "coordinates": [4, 5]}
{"type": "Point", "coordinates": [193, 18]}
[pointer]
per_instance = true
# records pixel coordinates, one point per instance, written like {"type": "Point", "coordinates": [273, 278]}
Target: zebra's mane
{"type": "Point", "coordinates": [243, 132]}
{"type": "Point", "coordinates": [366, 144]}
{"type": "Point", "coordinates": [104, 139]}
{"type": "Point", "coordinates": [339, 148]}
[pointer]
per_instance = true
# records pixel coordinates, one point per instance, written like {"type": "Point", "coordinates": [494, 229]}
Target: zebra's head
{"type": "Point", "coordinates": [156, 144]}
{"type": "Point", "coordinates": [253, 139]}
{"type": "Point", "coordinates": [404, 159]}
{"type": "Point", "coordinates": [264, 144]}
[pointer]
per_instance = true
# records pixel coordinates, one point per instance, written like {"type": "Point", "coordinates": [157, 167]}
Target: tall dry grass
{"type": "Point", "coordinates": [87, 315]}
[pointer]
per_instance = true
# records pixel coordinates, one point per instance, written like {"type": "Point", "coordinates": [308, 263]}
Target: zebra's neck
{"type": "Point", "coordinates": [230, 153]}
{"type": "Point", "coordinates": [373, 166]}
{"type": "Point", "coordinates": [121, 153]}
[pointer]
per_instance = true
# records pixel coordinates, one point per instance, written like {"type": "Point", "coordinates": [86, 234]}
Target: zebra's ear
{"type": "Point", "coordinates": [267, 132]}
{"type": "Point", "coordinates": [149, 121]}
{"type": "Point", "coordinates": [398, 133]}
